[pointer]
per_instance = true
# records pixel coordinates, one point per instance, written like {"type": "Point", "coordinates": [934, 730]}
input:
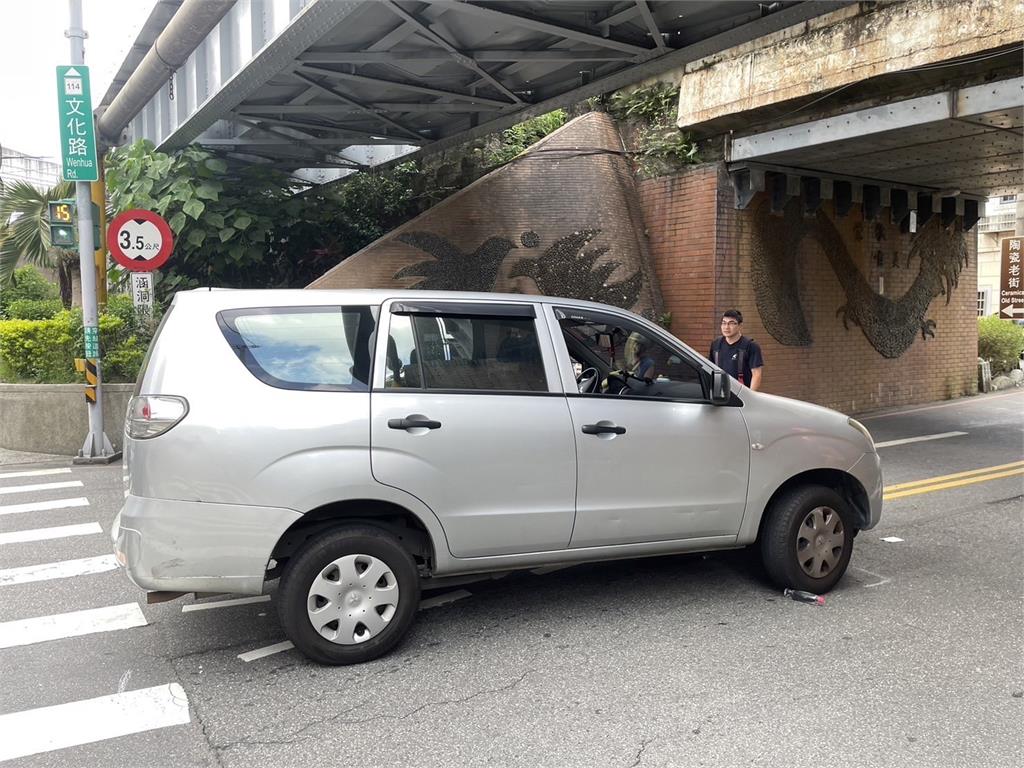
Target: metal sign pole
{"type": "Point", "coordinates": [97, 446]}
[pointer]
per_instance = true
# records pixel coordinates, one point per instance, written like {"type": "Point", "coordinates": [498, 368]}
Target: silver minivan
{"type": "Point", "coordinates": [357, 444]}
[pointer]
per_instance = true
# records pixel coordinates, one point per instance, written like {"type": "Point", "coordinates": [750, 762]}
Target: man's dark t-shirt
{"type": "Point", "coordinates": [729, 356]}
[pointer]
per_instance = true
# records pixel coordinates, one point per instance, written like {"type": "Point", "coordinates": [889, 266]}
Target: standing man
{"type": "Point", "coordinates": [735, 354]}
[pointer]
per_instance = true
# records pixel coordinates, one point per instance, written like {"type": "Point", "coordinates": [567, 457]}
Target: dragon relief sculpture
{"type": "Point", "coordinates": [889, 325]}
{"type": "Point", "coordinates": [567, 268]}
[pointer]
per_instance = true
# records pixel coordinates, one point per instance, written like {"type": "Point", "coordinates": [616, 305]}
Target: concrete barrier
{"type": "Point", "coordinates": [52, 418]}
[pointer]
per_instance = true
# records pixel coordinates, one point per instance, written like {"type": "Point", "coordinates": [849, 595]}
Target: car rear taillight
{"type": "Point", "coordinates": [152, 415]}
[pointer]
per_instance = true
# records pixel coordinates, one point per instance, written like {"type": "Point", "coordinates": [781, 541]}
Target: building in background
{"type": "Point", "coordinates": [37, 171]}
{"type": "Point", "coordinates": [1000, 221]}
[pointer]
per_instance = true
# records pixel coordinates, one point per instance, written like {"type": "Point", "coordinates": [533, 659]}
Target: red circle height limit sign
{"type": "Point", "coordinates": [139, 240]}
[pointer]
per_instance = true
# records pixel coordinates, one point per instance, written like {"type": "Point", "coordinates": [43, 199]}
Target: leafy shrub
{"type": "Point", "coordinates": [26, 285]}
{"type": "Point", "coordinates": [41, 351]}
{"type": "Point", "coordinates": [44, 351]}
{"type": "Point", "coordinates": [515, 140]}
{"type": "Point", "coordinates": [34, 309]}
{"type": "Point", "coordinates": [654, 103]}
{"type": "Point", "coordinates": [650, 117]}
{"type": "Point", "coordinates": [1000, 342]}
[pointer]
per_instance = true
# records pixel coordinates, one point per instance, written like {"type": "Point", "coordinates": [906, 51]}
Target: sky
{"type": "Point", "coordinates": [32, 45]}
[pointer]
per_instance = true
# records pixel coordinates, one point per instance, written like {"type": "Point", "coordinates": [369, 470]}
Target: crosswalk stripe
{"type": "Point", "coordinates": [44, 534]}
{"type": "Point", "coordinates": [42, 506]}
{"type": "Point", "coordinates": [85, 722]}
{"type": "Point", "coordinates": [35, 473]}
{"type": "Point", "coordinates": [74, 624]}
{"type": "Point", "coordinates": [61, 570]}
{"type": "Point", "coordinates": [224, 603]}
{"type": "Point", "coordinates": [40, 487]}
{"type": "Point", "coordinates": [259, 653]}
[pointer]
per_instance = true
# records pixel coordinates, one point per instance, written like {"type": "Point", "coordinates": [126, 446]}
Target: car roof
{"type": "Point", "coordinates": [230, 298]}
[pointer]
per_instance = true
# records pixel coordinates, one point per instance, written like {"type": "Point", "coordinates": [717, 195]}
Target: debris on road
{"type": "Point", "coordinates": [804, 597]}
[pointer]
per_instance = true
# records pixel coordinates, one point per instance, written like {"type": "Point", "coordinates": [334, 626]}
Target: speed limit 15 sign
{"type": "Point", "coordinates": [140, 241]}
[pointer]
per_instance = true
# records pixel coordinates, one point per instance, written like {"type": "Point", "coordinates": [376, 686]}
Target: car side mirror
{"type": "Point", "coordinates": [721, 388]}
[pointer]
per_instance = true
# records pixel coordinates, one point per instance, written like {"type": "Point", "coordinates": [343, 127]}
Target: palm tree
{"type": "Point", "coordinates": [25, 233]}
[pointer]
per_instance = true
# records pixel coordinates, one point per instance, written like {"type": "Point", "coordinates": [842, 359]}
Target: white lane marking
{"type": "Point", "coordinates": [881, 579]}
{"type": "Point", "coordinates": [57, 532]}
{"type": "Point", "coordinates": [448, 597]}
{"type": "Point", "coordinates": [35, 473]}
{"type": "Point", "coordinates": [42, 506]}
{"type": "Point", "coordinates": [892, 539]}
{"type": "Point", "coordinates": [920, 439]}
{"type": "Point", "coordinates": [224, 603]}
{"type": "Point", "coordinates": [123, 682]}
{"type": "Point", "coordinates": [259, 653]}
{"type": "Point", "coordinates": [85, 722]}
{"type": "Point", "coordinates": [954, 403]}
{"type": "Point", "coordinates": [41, 487]}
{"type": "Point", "coordinates": [74, 624]}
{"type": "Point", "coordinates": [551, 569]}
{"type": "Point", "coordinates": [61, 570]}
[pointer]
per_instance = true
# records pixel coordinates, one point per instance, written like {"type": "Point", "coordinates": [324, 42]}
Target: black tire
{"type": "Point", "coordinates": [313, 559]}
{"type": "Point", "coordinates": [794, 560]}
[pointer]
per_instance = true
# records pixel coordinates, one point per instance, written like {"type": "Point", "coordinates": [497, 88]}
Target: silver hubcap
{"type": "Point", "coordinates": [353, 599]}
{"type": "Point", "coordinates": [819, 541]}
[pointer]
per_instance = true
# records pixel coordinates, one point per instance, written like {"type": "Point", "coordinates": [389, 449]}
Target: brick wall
{"type": "Point", "coordinates": [701, 247]}
{"type": "Point", "coordinates": [680, 215]}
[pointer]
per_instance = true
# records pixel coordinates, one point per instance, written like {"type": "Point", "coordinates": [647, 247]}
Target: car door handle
{"type": "Point", "coordinates": [415, 421]}
{"type": "Point", "coordinates": [603, 429]}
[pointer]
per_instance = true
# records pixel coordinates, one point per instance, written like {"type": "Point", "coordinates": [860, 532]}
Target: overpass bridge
{"type": "Point", "coordinates": [334, 85]}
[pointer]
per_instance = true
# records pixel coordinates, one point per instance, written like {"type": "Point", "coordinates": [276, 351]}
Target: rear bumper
{"type": "Point", "coordinates": [187, 546]}
{"type": "Point", "coordinates": [868, 470]}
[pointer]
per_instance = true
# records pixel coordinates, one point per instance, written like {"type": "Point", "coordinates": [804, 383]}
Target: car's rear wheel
{"type": "Point", "coordinates": [349, 595]}
{"type": "Point", "coordinates": [808, 539]}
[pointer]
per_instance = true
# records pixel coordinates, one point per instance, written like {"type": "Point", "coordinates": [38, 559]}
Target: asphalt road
{"type": "Point", "coordinates": [914, 660]}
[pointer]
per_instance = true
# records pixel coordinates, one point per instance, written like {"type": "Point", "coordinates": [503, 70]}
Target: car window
{"type": "Point", "coordinates": [615, 356]}
{"type": "Point", "coordinates": [312, 348]}
{"type": "Point", "coordinates": [462, 352]}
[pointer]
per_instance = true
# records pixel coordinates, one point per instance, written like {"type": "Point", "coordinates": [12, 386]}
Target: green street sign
{"type": "Point", "coordinates": [92, 342]}
{"type": "Point", "coordinates": [77, 134]}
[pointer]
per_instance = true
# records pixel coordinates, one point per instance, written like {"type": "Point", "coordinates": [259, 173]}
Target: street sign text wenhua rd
{"type": "Point", "coordinates": [1011, 294]}
{"type": "Point", "coordinates": [77, 135]}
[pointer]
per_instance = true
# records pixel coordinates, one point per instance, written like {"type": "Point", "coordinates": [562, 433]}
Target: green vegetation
{"type": "Point", "coordinates": [25, 234]}
{"type": "Point", "coordinates": [43, 351]}
{"type": "Point", "coordinates": [517, 139]}
{"type": "Point", "coordinates": [243, 227]}
{"type": "Point", "coordinates": [1000, 342]}
{"type": "Point", "coordinates": [34, 309]}
{"type": "Point", "coordinates": [25, 285]}
{"type": "Point", "coordinates": [649, 114]}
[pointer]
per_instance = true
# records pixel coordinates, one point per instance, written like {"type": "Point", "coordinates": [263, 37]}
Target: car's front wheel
{"type": "Point", "coordinates": [349, 595]}
{"type": "Point", "coordinates": [808, 539]}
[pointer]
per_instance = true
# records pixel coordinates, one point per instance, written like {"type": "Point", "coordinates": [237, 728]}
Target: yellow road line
{"type": "Point", "coordinates": [954, 476]}
{"type": "Point", "coordinates": [953, 484]}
